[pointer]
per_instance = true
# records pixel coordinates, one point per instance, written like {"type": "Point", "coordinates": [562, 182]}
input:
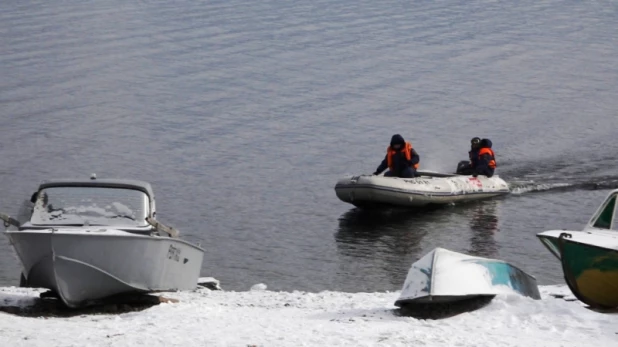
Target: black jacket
{"type": "Point", "coordinates": [399, 160]}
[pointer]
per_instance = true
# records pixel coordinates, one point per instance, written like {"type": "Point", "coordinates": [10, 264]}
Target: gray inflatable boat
{"type": "Point", "coordinates": [430, 188]}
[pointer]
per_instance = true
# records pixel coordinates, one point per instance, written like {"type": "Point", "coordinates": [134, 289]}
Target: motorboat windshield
{"type": "Point", "coordinates": [90, 206]}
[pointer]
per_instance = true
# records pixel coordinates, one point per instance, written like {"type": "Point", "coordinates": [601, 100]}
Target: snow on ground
{"type": "Point", "coordinates": [264, 318]}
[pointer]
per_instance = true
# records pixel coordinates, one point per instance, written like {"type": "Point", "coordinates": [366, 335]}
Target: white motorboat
{"type": "Point", "coordinates": [429, 188]}
{"type": "Point", "coordinates": [86, 240]}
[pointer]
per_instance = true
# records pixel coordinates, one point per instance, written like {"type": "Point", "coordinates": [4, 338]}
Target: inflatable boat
{"type": "Point", "coordinates": [430, 188]}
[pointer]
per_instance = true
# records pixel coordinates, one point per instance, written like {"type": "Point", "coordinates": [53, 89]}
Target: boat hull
{"type": "Point", "coordinates": [84, 266]}
{"type": "Point", "coordinates": [589, 264]}
{"type": "Point", "coordinates": [379, 191]}
{"type": "Point", "coordinates": [445, 276]}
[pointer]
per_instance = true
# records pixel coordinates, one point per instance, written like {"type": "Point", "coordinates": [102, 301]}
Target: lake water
{"type": "Point", "coordinates": [243, 115]}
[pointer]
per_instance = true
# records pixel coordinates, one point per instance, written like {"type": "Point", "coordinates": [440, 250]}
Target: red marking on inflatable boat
{"type": "Point", "coordinates": [476, 182]}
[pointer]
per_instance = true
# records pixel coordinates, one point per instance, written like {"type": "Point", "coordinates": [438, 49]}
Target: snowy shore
{"type": "Point", "coordinates": [263, 318]}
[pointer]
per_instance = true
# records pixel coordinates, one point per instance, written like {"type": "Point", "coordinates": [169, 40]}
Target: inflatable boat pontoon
{"type": "Point", "coordinates": [428, 189]}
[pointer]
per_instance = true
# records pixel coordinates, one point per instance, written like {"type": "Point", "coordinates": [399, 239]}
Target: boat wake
{"type": "Point", "coordinates": [541, 185]}
{"type": "Point", "coordinates": [561, 174]}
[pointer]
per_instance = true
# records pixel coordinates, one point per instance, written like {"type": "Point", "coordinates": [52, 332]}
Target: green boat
{"type": "Point", "coordinates": [589, 257]}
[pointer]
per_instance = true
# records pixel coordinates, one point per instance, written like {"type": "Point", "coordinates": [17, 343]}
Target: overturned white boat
{"type": "Point", "coordinates": [87, 240]}
{"type": "Point", "coordinates": [444, 276]}
{"type": "Point", "coordinates": [428, 189]}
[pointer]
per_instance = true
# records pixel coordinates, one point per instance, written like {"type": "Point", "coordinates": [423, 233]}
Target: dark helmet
{"type": "Point", "coordinates": [486, 143]}
{"type": "Point", "coordinates": [397, 140]}
{"type": "Point", "coordinates": [475, 141]}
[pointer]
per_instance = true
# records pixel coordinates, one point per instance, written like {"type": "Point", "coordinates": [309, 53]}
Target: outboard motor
{"type": "Point", "coordinates": [464, 168]}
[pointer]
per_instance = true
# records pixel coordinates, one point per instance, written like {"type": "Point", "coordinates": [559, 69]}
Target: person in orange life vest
{"type": "Point", "coordinates": [486, 164]}
{"type": "Point", "coordinates": [401, 159]}
{"type": "Point", "coordinates": [475, 147]}
{"type": "Point", "coordinates": [467, 167]}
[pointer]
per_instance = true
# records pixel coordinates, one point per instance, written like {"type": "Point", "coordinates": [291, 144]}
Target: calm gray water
{"type": "Point", "coordinates": [243, 114]}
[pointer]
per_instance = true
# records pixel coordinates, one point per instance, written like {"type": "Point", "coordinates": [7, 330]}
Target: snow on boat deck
{"type": "Point", "coordinates": [265, 318]}
{"type": "Point", "coordinates": [596, 237]}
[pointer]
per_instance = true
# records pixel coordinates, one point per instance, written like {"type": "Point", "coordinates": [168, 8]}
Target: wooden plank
{"type": "Point", "coordinates": [160, 227]}
{"type": "Point", "coordinates": [51, 306]}
{"type": "Point", "coordinates": [8, 220]}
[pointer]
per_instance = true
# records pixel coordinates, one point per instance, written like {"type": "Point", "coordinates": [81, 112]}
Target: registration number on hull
{"type": "Point", "coordinates": [173, 253]}
{"type": "Point", "coordinates": [417, 181]}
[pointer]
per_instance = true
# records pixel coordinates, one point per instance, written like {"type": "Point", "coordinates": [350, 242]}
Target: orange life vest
{"type": "Point", "coordinates": [492, 156]}
{"type": "Point", "coordinates": [407, 150]}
